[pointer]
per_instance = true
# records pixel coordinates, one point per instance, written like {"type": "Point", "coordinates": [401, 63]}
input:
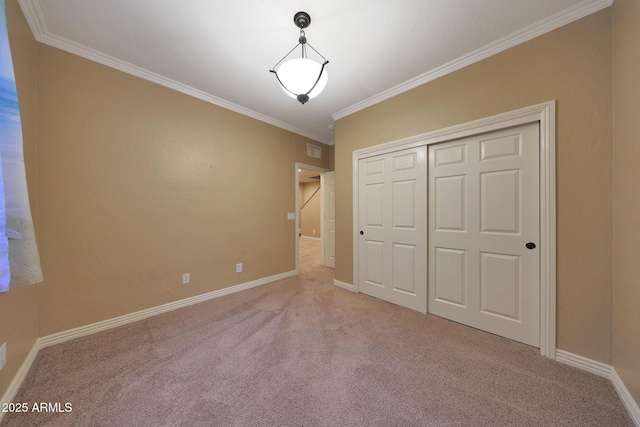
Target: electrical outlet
{"type": "Point", "coordinates": [3, 355]}
{"type": "Point", "coordinates": [291, 216]}
{"type": "Point", "coordinates": [186, 278]}
{"type": "Point", "coordinates": [239, 267]}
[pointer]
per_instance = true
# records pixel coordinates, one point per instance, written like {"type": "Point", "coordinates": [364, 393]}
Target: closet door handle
{"type": "Point", "coordinates": [361, 232]}
{"type": "Point", "coordinates": [530, 245]}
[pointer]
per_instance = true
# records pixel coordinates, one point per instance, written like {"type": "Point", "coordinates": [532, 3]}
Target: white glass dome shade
{"type": "Point", "coordinates": [299, 75]}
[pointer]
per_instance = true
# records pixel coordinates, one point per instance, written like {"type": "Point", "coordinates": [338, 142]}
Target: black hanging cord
{"type": "Point", "coordinates": [285, 57]}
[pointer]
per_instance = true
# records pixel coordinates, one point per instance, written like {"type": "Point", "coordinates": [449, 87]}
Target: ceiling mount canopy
{"type": "Point", "coordinates": [302, 20]}
{"type": "Point", "coordinates": [301, 78]}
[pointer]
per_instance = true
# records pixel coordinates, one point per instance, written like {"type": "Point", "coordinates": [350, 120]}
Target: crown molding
{"type": "Point", "coordinates": [33, 14]}
{"type": "Point", "coordinates": [564, 17]}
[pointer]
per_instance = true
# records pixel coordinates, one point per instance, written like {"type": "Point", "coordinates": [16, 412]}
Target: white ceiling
{"type": "Point", "coordinates": [222, 51]}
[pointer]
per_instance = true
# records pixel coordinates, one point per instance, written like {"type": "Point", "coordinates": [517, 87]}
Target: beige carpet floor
{"type": "Point", "coordinates": [302, 352]}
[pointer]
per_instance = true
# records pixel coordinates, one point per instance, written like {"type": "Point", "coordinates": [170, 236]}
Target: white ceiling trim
{"type": "Point", "coordinates": [34, 17]}
{"type": "Point", "coordinates": [580, 10]}
{"type": "Point", "coordinates": [42, 34]}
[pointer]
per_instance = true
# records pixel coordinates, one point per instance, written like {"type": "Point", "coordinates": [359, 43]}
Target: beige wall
{"type": "Point", "coordinates": [19, 306]}
{"type": "Point", "coordinates": [332, 157]}
{"type": "Point", "coordinates": [571, 65]}
{"type": "Point", "coordinates": [139, 184]}
{"type": "Point", "coordinates": [131, 185]}
{"type": "Point", "coordinates": [129, 182]}
{"type": "Point", "coordinates": [626, 193]}
{"type": "Point", "coordinates": [310, 214]}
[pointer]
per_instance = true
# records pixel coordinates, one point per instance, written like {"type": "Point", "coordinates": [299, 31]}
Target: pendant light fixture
{"type": "Point", "coordinates": [301, 78]}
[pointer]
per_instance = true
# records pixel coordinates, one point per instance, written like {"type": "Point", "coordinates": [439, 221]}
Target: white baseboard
{"type": "Point", "coordinates": [344, 285]}
{"type": "Point", "coordinates": [627, 399]}
{"type": "Point", "coordinates": [598, 368]}
{"type": "Point", "coordinates": [310, 238]}
{"type": "Point", "coordinates": [93, 328]}
{"type": "Point", "coordinates": [20, 376]}
{"type": "Point", "coordinates": [606, 371]}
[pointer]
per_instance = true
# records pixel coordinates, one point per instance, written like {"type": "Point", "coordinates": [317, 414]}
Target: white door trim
{"type": "Point", "coordinates": [324, 206]}
{"type": "Point", "coordinates": [544, 114]}
{"type": "Point", "coordinates": [297, 205]}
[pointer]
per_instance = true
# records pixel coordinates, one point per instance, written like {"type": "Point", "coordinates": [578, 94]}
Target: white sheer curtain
{"type": "Point", "coordinates": [19, 259]}
{"type": "Point", "coordinates": [5, 271]}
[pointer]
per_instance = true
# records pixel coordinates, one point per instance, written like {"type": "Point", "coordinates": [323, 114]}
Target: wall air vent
{"type": "Point", "coordinates": [314, 151]}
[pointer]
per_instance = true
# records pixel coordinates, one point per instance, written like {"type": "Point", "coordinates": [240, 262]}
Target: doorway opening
{"type": "Point", "coordinates": [309, 206]}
